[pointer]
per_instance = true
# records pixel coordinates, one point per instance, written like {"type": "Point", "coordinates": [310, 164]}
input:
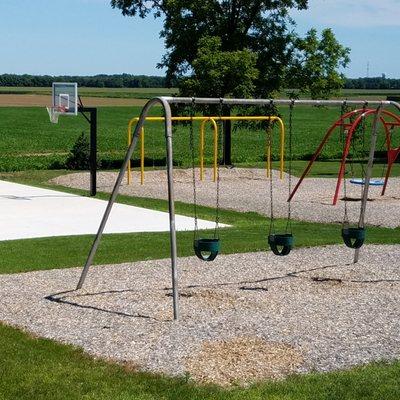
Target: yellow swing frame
{"type": "Point", "coordinates": [213, 120]}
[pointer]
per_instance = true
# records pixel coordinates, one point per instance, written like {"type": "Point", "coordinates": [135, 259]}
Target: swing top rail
{"type": "Point", "coordinates": [259, 102]}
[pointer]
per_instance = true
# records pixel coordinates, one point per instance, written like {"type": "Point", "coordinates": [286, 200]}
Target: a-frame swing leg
{"type": "Point", "coordinates": [392, 156]}
{"type": "Point", "coordinates": [368, 173]}
{"type": "Point", "coordinates": [313, 158]}
{"type": "Point", "coordinates": [114, 194]}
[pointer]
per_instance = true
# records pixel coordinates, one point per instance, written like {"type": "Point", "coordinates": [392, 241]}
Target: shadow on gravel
{"type": "Point", "coordinates": [65, 297]}
{"type": "Point", "coordinates": [64, 300]}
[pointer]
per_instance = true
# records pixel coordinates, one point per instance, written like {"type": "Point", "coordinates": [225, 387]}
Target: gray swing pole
{"type": "Point", "coordinates": [171, 201]}
{"type": "Point", "coordinates": [368, 174]}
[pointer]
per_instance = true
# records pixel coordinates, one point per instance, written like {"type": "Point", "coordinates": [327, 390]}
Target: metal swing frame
{"type": "Point", "coordinates": [166, 102]}
{"type": "Point", "coordinates": [387, 119]}
{"type": "Point", "coordinates": [213, 121]}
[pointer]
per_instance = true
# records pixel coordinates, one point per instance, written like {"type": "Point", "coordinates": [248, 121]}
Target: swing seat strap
{"type": "Point", "coordinates": [284, 241]}
{"type": "Point", "coordinates": [210, 246]}
{"type": "Point", "coordinates": [353, 237]}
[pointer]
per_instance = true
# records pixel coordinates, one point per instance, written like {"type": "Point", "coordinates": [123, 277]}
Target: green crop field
{"type": "Point", "coordinates": [145, 93]}
{"type": "Point", "coordinates": [125, 93]}
{"type": "Point", "coordinates": [30, 141]}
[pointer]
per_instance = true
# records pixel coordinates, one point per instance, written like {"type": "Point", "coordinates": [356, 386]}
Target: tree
{"type": "Point", "coordinates": [315, 64]}
{"type": "Point", "coordinates": [79, 154]}
{"type": "Point", "coordinates": [255, 26]}
{"type": "Point", "coordinates": [260, 29]}
{"type": "Point", "coordinates": [207, 40]}
{"type": "Point", "coordinates": [218, 73]}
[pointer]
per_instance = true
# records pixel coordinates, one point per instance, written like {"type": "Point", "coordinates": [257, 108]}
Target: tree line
{"type": "Point", "coordinates": [380, 82]}
{"type": "Point", "coordinates": [97, 81]}
{"type": "Point", "coordinates": [145, 81]}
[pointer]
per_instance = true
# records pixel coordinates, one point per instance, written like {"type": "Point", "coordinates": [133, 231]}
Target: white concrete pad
{"type": "Point", "coordinates": [31, 212]}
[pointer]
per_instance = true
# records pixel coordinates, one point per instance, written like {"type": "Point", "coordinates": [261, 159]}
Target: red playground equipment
{"type": "Point", "coordinates": [349, 122]}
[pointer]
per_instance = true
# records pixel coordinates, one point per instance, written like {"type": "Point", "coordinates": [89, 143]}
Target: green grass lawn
{"type": "Point", "coordinates": [40, 369]}
{"type": "Point", "coordinates": [34, 368]}
{"type": "Point", "coordinates": [248, 232]}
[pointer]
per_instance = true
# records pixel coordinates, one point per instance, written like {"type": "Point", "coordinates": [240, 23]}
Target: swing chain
{"type": "Point", "coordinates": [289, 217]}
{"type": "Point", "coordinates": [219, 143]}
{"type": "Point", "coordinates": [191, 143]}
{"type": "Point", "coordinates": [271, 190]}
{"type": "Point", "coordinates": [363, 127]}
{"type": "Point", "coordinates": [345, 221]}
{"type": "Point", "coordinates": [357, 154]}
{"type": "Point", "coordinates": [267, 111]}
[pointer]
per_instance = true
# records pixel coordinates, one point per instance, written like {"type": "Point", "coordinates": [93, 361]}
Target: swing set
{"type": "Point", "coordinates": [282, 242]}
{"type": "Point", "coordinates": [348, 124]}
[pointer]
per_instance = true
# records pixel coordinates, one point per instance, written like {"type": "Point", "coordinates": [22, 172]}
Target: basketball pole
{"type": "Point", "coordinates": [93, 144]}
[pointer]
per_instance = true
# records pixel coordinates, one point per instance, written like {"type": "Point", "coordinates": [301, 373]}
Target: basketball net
{"type": "Point", "coordinates": [54, 112]}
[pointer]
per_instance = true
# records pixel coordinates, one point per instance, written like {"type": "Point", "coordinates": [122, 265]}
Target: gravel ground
{"type": "Point", "coordinates": [244, 317]}
{"type": "Point", "coordinates": [248, 190]}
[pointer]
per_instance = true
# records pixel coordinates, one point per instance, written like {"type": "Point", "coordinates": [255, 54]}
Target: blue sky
{"type": "Point", "coordinates": [87, 37]}
{"type": "Point", "coordinates": [370, 28]}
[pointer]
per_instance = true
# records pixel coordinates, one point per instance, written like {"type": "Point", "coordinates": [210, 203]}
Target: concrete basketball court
{"type": "Point", "coordinates": [31, 212]}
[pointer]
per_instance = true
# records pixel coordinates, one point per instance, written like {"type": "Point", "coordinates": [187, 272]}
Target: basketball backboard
{"type": "Point", "coordinates": [65, 97]}
{"type": "Point", "coordinates": [64, 100]}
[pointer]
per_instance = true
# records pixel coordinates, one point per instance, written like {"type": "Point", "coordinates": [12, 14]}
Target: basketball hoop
{"type": "Point", "coordinates": [54, 112]}
{"type": "Point", "coordinates": [64, 100]}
